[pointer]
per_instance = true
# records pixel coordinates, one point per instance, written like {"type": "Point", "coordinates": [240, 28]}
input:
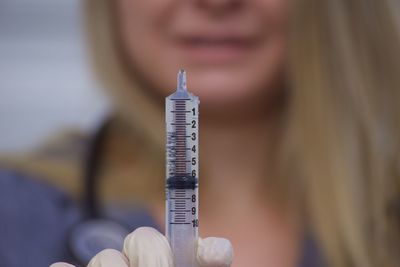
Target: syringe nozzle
{"type": "Point", "coordinates": [182, 80]}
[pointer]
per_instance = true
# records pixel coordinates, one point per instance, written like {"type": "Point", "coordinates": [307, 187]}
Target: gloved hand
{"type": "Point", "coordinates": [146, 247]}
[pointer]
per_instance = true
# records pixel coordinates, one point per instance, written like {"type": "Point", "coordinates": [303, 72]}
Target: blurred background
{"type": "Point", "coordinates": [45, 82]}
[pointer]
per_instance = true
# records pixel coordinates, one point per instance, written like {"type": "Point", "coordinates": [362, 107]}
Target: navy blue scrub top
{"type": "Point", "coordinates": [36, 219]}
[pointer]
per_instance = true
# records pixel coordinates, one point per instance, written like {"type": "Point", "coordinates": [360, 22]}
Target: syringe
{"type": "Point", "coordinates": [182, 172]}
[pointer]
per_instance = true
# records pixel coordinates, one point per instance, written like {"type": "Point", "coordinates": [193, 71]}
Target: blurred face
{"type": "Point", "coordinates": [233, 50]}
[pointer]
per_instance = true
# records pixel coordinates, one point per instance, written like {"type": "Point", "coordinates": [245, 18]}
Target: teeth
{"type": "Point", "coordinates": [213, 42]}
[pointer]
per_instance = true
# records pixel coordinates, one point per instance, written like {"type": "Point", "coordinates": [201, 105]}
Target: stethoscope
{"type": "Point", "coordinates": [95, 231]}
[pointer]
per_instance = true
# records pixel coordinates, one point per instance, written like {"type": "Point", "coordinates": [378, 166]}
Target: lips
{"type": "Point", "coordinates": [209, 41]}
{"type": "Point", "coordinates": [210, 48]}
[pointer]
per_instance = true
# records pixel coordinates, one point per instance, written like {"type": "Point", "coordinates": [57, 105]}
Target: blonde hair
{"type": "Point", "coordinates": [111, 69]}
{"type": "Point", "coordinates": [343, 118]}
{"type": "Point", "coordinates": [135, 108]}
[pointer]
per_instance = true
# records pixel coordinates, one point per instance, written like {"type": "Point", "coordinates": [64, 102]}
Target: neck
{"type": "Point", "coordinates": [237, 161]}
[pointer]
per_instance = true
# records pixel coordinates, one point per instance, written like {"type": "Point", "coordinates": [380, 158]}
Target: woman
{"type": "Point", "coordinates": [299, 119]}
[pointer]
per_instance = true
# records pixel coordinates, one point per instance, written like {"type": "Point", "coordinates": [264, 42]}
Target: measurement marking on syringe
{"type": "Point", "coordinates": [179, 210]}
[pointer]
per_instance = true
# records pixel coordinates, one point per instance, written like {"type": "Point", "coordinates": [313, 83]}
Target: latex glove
{"type": "Point", "coordinates": [146, 247]}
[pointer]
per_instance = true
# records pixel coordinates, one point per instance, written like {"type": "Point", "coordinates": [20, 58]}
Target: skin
{"type": "Point", "coordinates": [159, 37]}
{"type": "Point", "coordinates": [234, 54]}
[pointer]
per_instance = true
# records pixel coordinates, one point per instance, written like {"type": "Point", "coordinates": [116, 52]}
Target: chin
{"type": "Point", "coordinates": [225, 86]}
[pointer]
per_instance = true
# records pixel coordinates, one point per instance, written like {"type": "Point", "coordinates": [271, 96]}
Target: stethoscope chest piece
{"type": "Point", "coordinates": [90, 237]}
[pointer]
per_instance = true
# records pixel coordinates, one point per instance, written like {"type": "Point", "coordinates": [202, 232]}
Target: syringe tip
{"type": "Point", "coordinates": [182, 80]}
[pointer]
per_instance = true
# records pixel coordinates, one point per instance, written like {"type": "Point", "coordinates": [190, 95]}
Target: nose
{"type": "Point", "coordinates": [219, 6]}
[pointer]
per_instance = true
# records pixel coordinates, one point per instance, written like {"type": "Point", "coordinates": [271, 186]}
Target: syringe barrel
{"type": "Point", "coordinates": [182, 111]}
{"type": "Point", "coordinates": [182, 229]}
